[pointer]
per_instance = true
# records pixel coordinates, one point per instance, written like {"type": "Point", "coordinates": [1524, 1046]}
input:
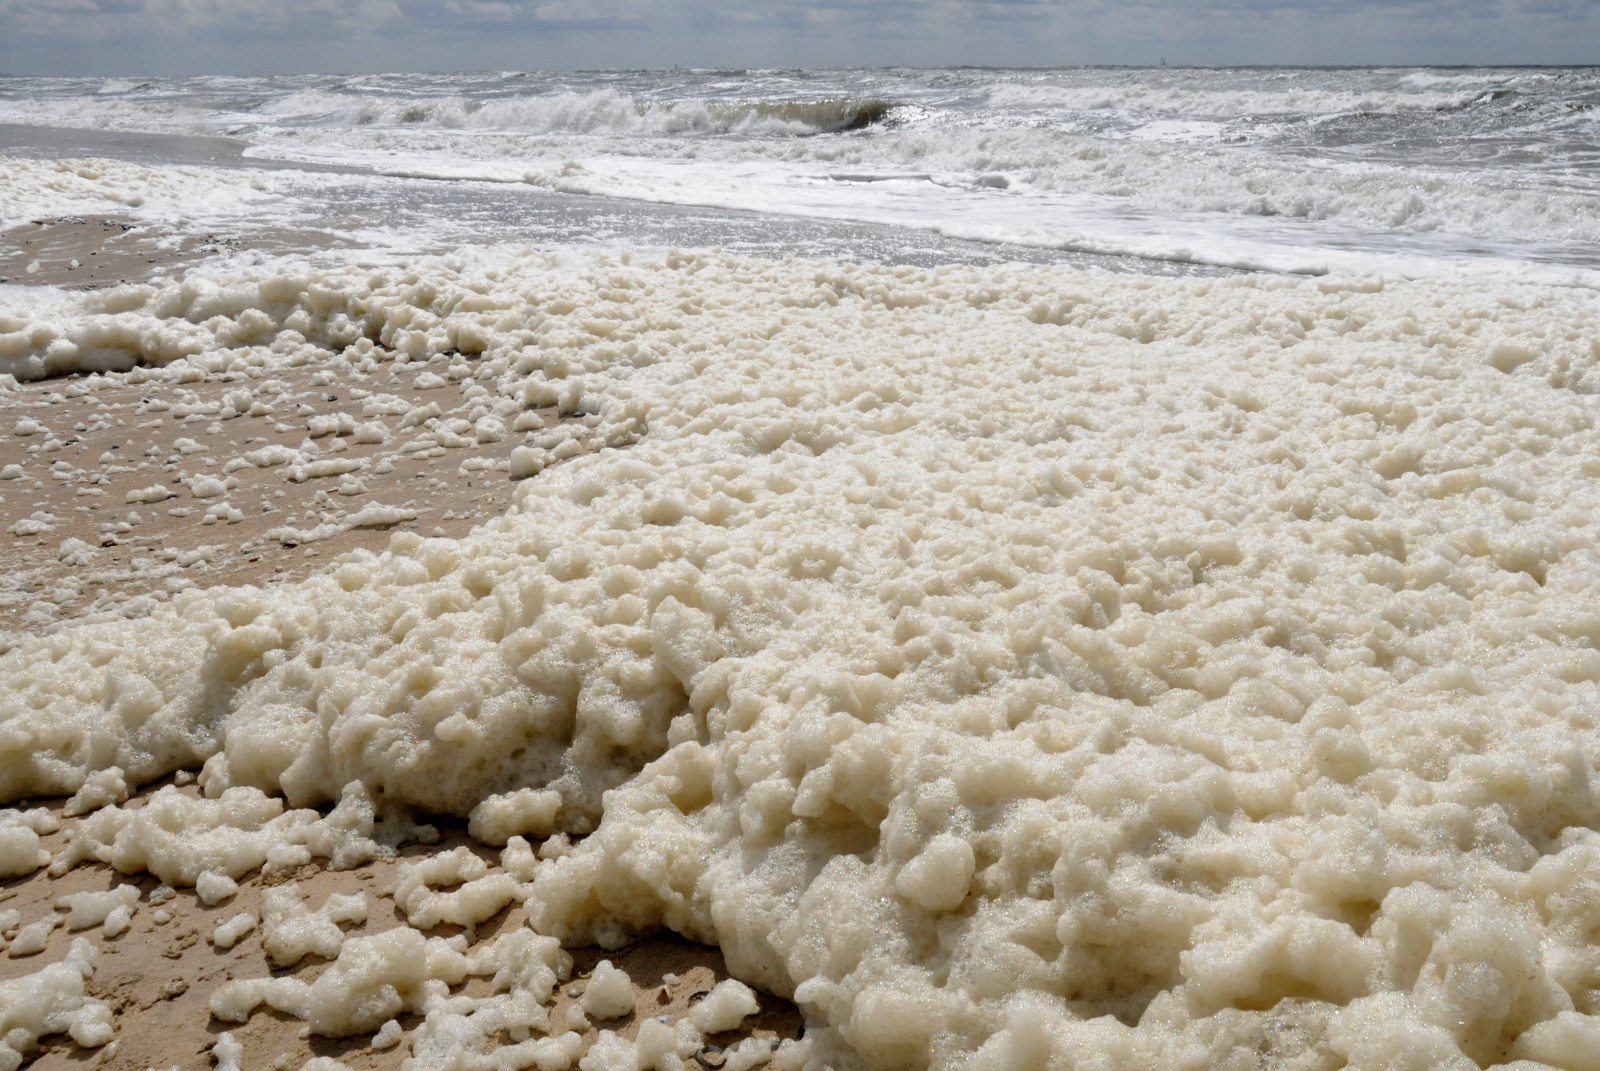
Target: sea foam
{"type": "Point", "coordinates": [1015, 667]}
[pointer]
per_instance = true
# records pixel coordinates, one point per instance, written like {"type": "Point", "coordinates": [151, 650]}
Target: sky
{"type": "Point", "coordinates": [164, 37]}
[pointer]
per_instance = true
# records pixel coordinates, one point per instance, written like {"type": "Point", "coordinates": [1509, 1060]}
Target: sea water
{"type": "Point", "coordinates": [1476, 172]}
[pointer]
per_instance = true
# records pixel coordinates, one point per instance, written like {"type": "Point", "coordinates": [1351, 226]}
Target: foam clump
{"type": "Point", "coordinates": [478, 895]}
{"type": "Point", "coordinates": [400, 971]}
{"type": "Point", "coordinates": [20, 849]}
{"type": "Point", "coordinates": [100, 789]}
{"type": "Point", "coordinates": [1010, 665]}
{"type": "Point", "coordinates": [52, 1001]}
{"type": "Point", "coordinates": [526, 812]}
{"type": "Point", "coordinates": [189, 841]}
{"type": "Point", "coordinates": [213, 888]}
{"type": "Point", "coordinates": [228, 1052]}
{"type": "Point", "coordinates": [87, 909]}
{"type": "Point", "coordinates": [324, 1063]}
{"type": "Point", "coordinates": [290, 930]}
{"type": "Point", "coordinates": [609, 994]}
{"type": "Point", "coordinates": [728, 1004]}
{"type": "Point", "coordinates": [388, 1035]}
{"type": "Point", "coordinates": [32, 938]}
{"type": "Point", "coordinates": [232, 930]}
{"type": "Point", "coordinates": [654, 1049]}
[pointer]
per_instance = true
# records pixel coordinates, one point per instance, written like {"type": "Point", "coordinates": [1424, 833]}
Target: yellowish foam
{"type": "Point", "coordinates": [1018, 667]}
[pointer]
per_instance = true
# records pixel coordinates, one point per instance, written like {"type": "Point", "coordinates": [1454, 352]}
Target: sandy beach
{"type": "Point", "coordinates": [77, 253]}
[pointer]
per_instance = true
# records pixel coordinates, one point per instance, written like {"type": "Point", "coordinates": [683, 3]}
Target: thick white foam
{"type": "Point", "coordinates": [276, 207]}
{"type": "Point", "coordinates": [36, 189]}
{"type": "Point", "coordinates": [1011, 665]}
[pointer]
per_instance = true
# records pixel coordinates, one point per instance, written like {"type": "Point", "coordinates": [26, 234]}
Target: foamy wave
{"type": "Point", "coordinates": [1017, 166]}
{"type": "Point", "coordinates": [597, 112]}
{"type": "Point", "coordinates": [1430, 79]}
{"type": "Point", "coordinates": [1467, 163]}
{"type": "Point", "coordinates": [117, 86]}
{"type": "Point", "coordinates": [1167, 177]}
{"type": "Point", "coordinates": [1286, 100]}
{"type": "Point", "coordinates": [109, 109]}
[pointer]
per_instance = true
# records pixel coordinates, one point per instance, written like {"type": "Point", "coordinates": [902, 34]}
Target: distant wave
{"type": "Point", "coordinates": [117, 86]}
{"type": "Point", "coordinates": [826, 117]}
{"type": "Point", "coordinates": [1228, 103]}
{"type": "Point", "coordinates": [596, 112]}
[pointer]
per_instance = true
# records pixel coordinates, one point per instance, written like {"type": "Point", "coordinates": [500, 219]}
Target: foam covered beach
{"type": "Point", "coordinates": [1012, 666]}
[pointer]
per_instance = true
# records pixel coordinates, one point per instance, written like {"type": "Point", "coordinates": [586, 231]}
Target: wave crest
{"type": "Point", "coordinates": [822, 117]}
{"type": "Point", "coordinates": [597, 112]}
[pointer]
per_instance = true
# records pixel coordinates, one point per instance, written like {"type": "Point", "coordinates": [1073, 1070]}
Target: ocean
{"type": "Point", "coordinates": [1488, 173]}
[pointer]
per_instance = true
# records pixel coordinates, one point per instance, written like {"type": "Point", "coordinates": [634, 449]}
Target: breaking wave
{"type": "Point", "coordinates": [596, 112]}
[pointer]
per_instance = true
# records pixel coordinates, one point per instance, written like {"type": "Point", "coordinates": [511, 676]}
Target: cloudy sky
{"type": "Point", "coordinates": [270, 36]}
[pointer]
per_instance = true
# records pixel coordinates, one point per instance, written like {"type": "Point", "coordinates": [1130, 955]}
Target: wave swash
{"type": "Point", "coordinates": [1474, 172]}
{"type": "Point", "coordinates": [1017, 667]}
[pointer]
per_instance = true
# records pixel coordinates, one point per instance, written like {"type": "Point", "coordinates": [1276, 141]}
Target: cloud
{"type": "Point", "coordinates": [252, 36]}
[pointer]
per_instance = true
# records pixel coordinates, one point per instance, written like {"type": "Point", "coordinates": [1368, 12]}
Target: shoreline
{"type": "Point", "coordinates": [453, 212]}
{"type": "Point", "coordinates": [87, 253]}
{"type": "Point", "coordinates": [169, 150]}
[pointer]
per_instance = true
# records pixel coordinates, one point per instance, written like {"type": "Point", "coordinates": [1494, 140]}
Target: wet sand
{"type": "Point", "coordinates": [82, 253]}
{"type": "Point", "coordinates": [53, 142]}
{"type": "Point", "coordinates": [119, 489]}
{"type": "Point", "coordinates": [105, 439]}
{"type": "Point", "coordinates": [159, 976]}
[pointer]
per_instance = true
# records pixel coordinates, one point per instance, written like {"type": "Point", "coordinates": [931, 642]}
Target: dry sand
{"type": "Point", "coordinates": [106, 436]}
